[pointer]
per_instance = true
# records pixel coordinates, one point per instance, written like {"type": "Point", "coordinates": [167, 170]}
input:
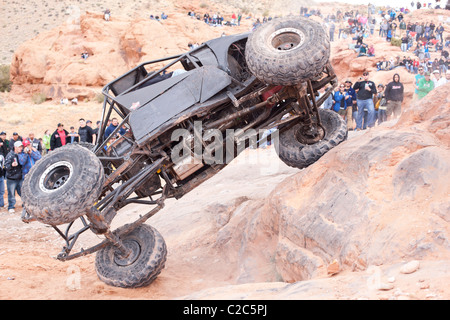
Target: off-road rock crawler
{"type": "Point", "coordinates": [208, 104]}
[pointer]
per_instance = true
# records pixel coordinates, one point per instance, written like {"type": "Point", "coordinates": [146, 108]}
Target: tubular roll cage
{"type": "Point", "coordinates": [103, 211]}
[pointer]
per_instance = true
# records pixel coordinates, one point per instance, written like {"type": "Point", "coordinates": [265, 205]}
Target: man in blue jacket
{"type": "Point", "coordinates": [352, 109]}
{"type": "Point", "coordinates": [28, 157]}
{"type": "Point", "coordinates": [112, 127]}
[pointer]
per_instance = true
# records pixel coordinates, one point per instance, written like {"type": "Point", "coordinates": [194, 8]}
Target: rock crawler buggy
{"type": "Point", "coordinates": [248, 83]}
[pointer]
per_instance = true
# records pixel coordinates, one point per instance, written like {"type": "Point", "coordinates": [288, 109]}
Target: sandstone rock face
{"type": "Point", "coordinates": [51, 63]}
{"type": "Point", "coordinates": [374, 200]}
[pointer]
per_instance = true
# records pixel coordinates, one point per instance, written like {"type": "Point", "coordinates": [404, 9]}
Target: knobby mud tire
{"type": "Point", "coordinates": [141, 267]}
{"type": "Point", "coordinates": [304, 59]}
{"type": "Point", "coordinates": [298, 155]}
{"type": "Point", "coordinates": [54, 205]}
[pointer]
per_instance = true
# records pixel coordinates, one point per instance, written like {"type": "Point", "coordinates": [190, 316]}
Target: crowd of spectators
{"type": "Point", "coordinates": [418, 40]}
{"type": "Point", "coordinates": [19, 153]}
{"type": "Point", "coordinates": [216, 19]}
{"type": "Point", "coordinates": [364, 104]}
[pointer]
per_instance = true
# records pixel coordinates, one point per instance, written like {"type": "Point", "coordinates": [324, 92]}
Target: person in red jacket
{"type": "Point", "coordinates": [59, 137]}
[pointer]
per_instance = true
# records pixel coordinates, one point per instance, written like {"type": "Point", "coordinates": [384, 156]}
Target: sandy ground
{"type": "Point", "coordinates": [29, 269]}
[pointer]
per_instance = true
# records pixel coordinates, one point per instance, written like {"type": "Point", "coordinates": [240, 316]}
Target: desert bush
{"type": "Point", "coordinates": [99, 97]}
{"type": "Point", "coordinates": [396, 42]}
{"type": "Point", "coordinates": [38, 97]}
{"type": "Point", "coordinates": [5, 80]}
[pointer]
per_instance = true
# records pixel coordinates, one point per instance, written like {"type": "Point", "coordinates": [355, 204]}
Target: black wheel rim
{"type": "Point", "coordinates": [55, 176]}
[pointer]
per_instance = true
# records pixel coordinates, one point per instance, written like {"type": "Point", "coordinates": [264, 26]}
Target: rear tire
{"type": "Point", "coordinates": [141, 267]}
{"type": "Point", "coordinates": [287, 51]}
{"type": "Point", "coordinates": [298, 154]}
{"type": "Point", "coordinates": [63, 185]}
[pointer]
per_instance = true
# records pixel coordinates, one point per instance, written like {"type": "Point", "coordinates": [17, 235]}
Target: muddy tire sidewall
{"type": "Point", "coordinates": [299, 155]}
{"type": "Point", "coordinates": [141, 267]}
{"type": "Point", "coordinates": [70, 200]}
{"type": "Point", "coordinates": [306, 58]}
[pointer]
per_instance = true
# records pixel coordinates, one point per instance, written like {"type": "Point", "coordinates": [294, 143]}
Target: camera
{"type": "Point", "coordinates": [26, 149]}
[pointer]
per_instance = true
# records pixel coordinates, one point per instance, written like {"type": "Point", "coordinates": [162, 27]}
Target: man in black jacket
{"type": "Point", "coordinates": [59, 137]}
{"type": "Point", "coordinates": [15, 137]}
{"type": "Point", "coordinates": [394, 97]}
{"type": "Point", "coordinates": [365, 90]}
{"type": "Point", "coordinates": [85, 132]}
{"type": "Point", "coordinates": [4, 144]}
{"type": "Point", "coordinates": [13, 175]}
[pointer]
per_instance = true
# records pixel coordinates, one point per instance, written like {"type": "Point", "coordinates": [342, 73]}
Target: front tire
{"type": "Point", "coordinates": [63, 185]}
{"type": "Point", "coordinates": [298, 151]}
{"type": "Point", "coordinates": [141, 267]}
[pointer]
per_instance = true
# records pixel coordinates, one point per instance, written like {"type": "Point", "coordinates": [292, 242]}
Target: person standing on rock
{"type": "Point", "coordinates": [394, 97]}
{"type": "Point", "coordinates": [417, 78]}
{"type": "Point", "coordinates": [365, 89]}
{"type": "Point", "coordinates": [425, 86]}
{"type": "Point", "coordinates": [352, 109]}
{"type": "Point", "coordinates": [332, 29]}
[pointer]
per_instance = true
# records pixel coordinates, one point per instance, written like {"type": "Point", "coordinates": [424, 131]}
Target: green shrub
{"type": "Point", "coordinates": [5, 80]}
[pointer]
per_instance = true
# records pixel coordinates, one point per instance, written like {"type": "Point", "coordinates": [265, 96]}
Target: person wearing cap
{"type": "Point", "coordinates": [339, 104]}
{"type": "Point", "coordinates": [13, 175]}
{"type": "Point", "coordinates": [425, 86]}
{"type": "Point", "coordinates": [59, 137]}
{"type": "Point", "coordinates": [394, 96]}
{"type": "Point", "coordinates": [15, 137]}
{"type": "Point", "coordinates": [417, 79]}
{"type": "Point", "coordinates": [365, 89]}
{"type": "Point", "coordinates": [437, 79]}
{"type": "Point", "coordinates": [28, 157]}
{"type": "Point", "coordinates": [4, 144]}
